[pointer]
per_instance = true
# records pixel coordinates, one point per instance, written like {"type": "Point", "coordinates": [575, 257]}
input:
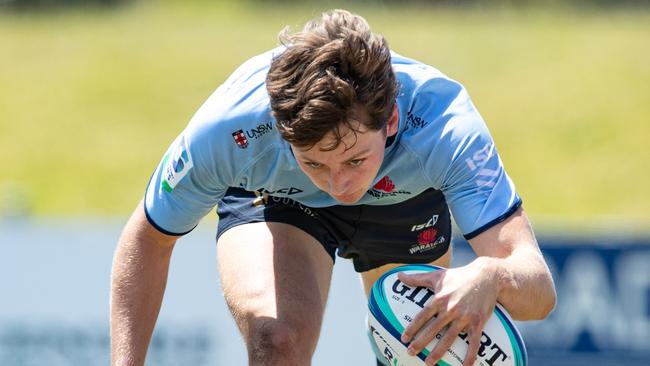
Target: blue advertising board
{"type": "Point", "coordinates": [602, 315]}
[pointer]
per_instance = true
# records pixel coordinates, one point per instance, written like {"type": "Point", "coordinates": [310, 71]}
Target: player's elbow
{"type": "Point", "coordinates": [547, 304]}
{"type": "Point", "coordinates": [544, 302]}
{"type": "Point", "coordinates": [549, 295]}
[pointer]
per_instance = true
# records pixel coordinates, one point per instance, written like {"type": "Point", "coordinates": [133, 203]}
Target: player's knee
{"type": "Point", "coordinates": [274, 342]}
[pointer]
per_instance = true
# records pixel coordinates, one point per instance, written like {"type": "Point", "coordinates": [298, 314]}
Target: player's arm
{"type": "Point", "coordinates": [509, 269]}
{"type": "Point", "coordinates": [508, 252]}
{"type": "Point", "coordinates": [138, 282]}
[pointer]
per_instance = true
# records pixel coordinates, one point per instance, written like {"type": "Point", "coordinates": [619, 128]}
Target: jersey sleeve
{"type": "Point", "coordinates": [205, 160]}
{"type": "Point", "coordinates": [186, 185]}
{"type": "Point", "coordinates": [465, 165]}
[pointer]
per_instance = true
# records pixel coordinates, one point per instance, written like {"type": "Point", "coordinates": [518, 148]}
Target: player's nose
{"type": "Point", "coordinates": [339, 184]}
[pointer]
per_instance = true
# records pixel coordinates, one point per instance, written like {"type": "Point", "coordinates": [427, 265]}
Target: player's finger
{"type": "Point", "coordinates": [444, 343]}
{"type": "Point", "coordinates": [474, 338]}
{"type": "Point", "coordinates": [428, 312]}
{"type": "Point", "coordinates": [427, 279]}
{"type": "Point", "coordinates": [428, 332]}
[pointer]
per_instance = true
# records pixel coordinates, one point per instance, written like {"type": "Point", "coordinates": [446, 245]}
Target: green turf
{"type": "Point", "coordinates": [89, 99]}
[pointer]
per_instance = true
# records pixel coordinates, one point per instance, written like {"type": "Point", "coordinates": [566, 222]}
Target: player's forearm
{"type": "Point", "coordinates": [138, 283]}
{"type": "Point", "coordinates": [526, 287]}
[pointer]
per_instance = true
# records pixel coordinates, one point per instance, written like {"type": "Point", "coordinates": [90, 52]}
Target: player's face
{"type": "Point", "coordinates": [346, 174]}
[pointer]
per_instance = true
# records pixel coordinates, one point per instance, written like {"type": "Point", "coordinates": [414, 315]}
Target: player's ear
{"type": "Point", "coordinates": [393, 122]}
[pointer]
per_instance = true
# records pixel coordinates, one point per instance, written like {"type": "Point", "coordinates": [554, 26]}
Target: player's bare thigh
{"type": "Point", "coordinates": [274, 271]}
{"type": "Point", "coordinates": [370, 277]}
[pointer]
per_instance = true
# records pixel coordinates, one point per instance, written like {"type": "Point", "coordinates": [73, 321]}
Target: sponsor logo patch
{"type": "Point", "coordinates": [240, 139]}
{"type": "Point", "coordinates": [259, 131]}
{"type": "Point", "coordinates": [486, 178]}
{"type": "Point", "coordinates": [385, 188]}
{"type": "Point", "coordinates": [291, 203]}
{"type": "Point", "coordinates": [283, 191]}
{"type": "Point", "coordinates": [427, 236]}
{"type": "Point", "coordinates": [415, 121]}
{"type": "Point", "coordinates": [427, 240]}
{"type": "Point", "coordinates": [432, 221]}
{"type": "Point", "coordinates": [421, 248]}
{"type": "Point", "coordinates": [176, 165]}
{"type": "Point", "coordinates": [385, 185]}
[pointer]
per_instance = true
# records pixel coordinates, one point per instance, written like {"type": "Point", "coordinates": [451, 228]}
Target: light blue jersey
{"type": "Point", "coordinates": [232, 141]}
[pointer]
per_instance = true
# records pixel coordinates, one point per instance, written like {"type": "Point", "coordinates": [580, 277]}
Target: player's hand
{"type": "Point", "coordinates": [463, 302]}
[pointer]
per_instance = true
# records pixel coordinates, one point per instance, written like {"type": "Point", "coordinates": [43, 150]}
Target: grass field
{"type": "Point", "coordinates": [89, 100]}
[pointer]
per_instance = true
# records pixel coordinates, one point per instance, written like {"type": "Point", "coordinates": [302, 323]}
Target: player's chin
{"type": "Point", "coordinates": [349, 198]}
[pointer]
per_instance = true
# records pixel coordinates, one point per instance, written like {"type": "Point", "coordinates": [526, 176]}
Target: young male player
{"type": "Point", "coordinates": [332, 144]}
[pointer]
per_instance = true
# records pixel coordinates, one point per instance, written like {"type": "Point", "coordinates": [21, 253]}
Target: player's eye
{"type": "Point", "coordinates": [356, 162]}
{"type": "Point", "coordinates": [313, 165]}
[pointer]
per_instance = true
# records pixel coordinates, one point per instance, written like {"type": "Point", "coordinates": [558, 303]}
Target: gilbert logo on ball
{"type": "Point", "coordinates": [393, 305]}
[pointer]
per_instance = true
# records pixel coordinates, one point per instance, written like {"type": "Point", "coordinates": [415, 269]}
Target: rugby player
{"type": "Point", "coordinates": [332, 145]}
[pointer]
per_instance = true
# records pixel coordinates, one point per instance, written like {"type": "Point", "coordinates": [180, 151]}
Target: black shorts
{"type": "Point", "coordinates": [414, 231]}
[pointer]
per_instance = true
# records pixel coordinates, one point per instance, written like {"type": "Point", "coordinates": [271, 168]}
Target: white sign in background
{"type": "Point", "coordinates": [54, 301]}
{"type": "Point", "coordinates": [55, 280]}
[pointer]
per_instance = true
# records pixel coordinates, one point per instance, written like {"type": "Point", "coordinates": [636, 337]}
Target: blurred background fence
{"type": "Point", "coordinates": [92, 93]}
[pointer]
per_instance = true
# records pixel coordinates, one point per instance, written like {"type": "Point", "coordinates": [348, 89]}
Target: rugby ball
{"type": "Point", "coordinates": [392, 305]}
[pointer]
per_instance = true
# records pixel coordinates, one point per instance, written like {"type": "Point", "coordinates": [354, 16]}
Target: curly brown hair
{"type": "Point", "coordinates": [334, 73]}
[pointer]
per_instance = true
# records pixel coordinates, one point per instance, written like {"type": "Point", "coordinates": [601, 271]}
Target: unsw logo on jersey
{"type": "Point", "coordinates": [385, 188]}
{"type": "Point", "coordinates": [415, 121]}
{"type": "Point", "coordinates": [241, 138]}
{"type": "Point", "coordinates": [176, 164]}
